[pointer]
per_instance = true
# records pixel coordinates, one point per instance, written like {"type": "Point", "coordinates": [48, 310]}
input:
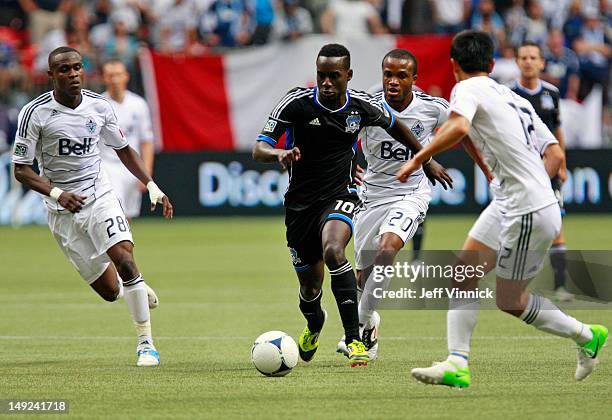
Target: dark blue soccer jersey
{"type": "Point", "coordinates": [326, 139]}
{"type": "Point", "coordinates": [545, 101]}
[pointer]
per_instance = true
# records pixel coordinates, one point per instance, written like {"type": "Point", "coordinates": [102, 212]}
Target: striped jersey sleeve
{"type": "Point", "coordinates": [377, 113]}
{"type": "Point", "coordinates": [28, 130]}
{"type": "Point", "coordinates": [284, 114]}
{"type": "Point", "coordinates": [111, 133]}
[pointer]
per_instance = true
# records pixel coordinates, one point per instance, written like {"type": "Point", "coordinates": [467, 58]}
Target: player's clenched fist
{"type": "Point", "coordinates": [288, 156]}
{"type": "Point", "coordinates": [71, 202]}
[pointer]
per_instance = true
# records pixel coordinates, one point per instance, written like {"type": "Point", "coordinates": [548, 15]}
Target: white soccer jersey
{"type": "Point", "coordinates": [509, 134]}
{"type": "Point", "coordinates": [385, 156]}
{"type": "Point", "coordinates": [64, 142]}
{"type": "Point", "coordinates": [135, 121]}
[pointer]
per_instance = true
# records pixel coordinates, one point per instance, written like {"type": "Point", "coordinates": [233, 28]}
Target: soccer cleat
{"type": "Point", "coordinates": [563, 296]}
{"type": "Point", "coordinates": [309, 341]}
{"type": "Point", "coordinates": [443, 373]}
{"type": "Point", "coordinates": [588, 353]}
{"type": "Point", "coordinates": [147, 355]}
{"type": "Point", "coordinates": [369, 337]}
{"type": "Point", "coordinates": [357, 354]}
{"type": "Point", "coordinates": [153, 300]}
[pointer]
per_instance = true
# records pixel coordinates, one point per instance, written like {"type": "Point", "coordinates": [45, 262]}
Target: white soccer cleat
{"type": "Point", "coordinates": [368, 337]}
{"type": "Point", "coordinates": [147, 355]}
{"type": "Point", "coordinates": [153, 299]}
{"type": "Point", "coordinates": [588, 353]}
{"type": "Point", "coordinates": [563, 296]}
{"type": "Point", "coordinates": [341, 347]}
{"type": "Point", "coordinates": [443, 373]}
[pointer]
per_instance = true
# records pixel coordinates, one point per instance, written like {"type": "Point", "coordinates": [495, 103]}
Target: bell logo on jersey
{"type": "Point", "coordinates": [352, 122]}
{"type": "Point", "coordinates": [387, 152]}
{"type": "Point", "coordinates": [67, 148]}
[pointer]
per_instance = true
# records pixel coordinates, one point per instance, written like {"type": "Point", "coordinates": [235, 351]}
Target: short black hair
{"type": "Point", "coordinates": [335, 50]}
{"type": "Point", "coordinates": [113, 60]}
{"type": "Point", "coordinates": [58, 51]}
{"type": "Point", "coordinates": [473, 51]}
{"type": "Point", "coordinates": [402, 54]}
{"type": "Point", "coordinates": [530, 44]}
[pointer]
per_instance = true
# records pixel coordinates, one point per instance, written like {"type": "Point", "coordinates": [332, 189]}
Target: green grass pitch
{"type": "Point", "coordinates": [221, 283]}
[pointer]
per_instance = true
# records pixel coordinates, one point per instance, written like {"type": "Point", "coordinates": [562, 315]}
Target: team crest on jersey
{"type": "Point", "coordinates": [417, 129]}
{"type": "Point", "coordinates": [352, 122]}
{"type": "Point", "coordinates": [91, 125]}
{"type": "Point", "coordinates": [21, 150]}
{"type": "Point", "coordinates": [547, 101]}
{"type": "Point", "coordinates": [270, 126]}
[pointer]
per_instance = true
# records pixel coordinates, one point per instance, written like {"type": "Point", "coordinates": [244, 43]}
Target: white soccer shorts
{"type": "Point", "coordinates": [521, 242]}
{"type": "Point", "coordinates": [125, 186]}
{"type": "Point", "coordinates": [84, 237]}
{"type": "Point", "coordinates": [374, 219]}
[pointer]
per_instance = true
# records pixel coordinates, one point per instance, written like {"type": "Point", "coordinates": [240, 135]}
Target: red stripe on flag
{"type": "Point", "coordinates": [193, 104]}
{"type": "Point", "coordinates": [433, 55]}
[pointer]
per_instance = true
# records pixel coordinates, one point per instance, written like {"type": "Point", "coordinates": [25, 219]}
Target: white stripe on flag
{"type": "Point", "coordinates": [258, 79]}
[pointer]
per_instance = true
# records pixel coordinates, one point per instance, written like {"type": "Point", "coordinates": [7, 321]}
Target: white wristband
{"type": "Point", "coordinates": [55, 193]}
{"type": "Point", "coordinates": [155, 194]}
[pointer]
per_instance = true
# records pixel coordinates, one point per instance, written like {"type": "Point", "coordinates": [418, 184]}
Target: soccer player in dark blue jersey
{"type": "Point", "coordinates": [321, 126]}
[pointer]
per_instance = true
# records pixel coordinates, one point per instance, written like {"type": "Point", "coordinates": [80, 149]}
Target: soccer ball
{"type": "Point", "coordinates": [274, 353]}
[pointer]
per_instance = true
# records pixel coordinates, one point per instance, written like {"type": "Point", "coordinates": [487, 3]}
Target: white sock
{"type": "Point", "coordinates": [545, 316]}
{"type": "Point", "coordinates": [368, 302]}
{"type": "Point", "coordinates": [120, 282]}
{"type": "Point", "coordinates": [460, 323]}
{"type": "Point", "coordinates": [359, 293]}
{"type": "Point", "coordinates": [137, 301]}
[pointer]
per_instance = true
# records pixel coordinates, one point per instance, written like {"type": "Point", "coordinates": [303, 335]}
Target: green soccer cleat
{"type": "Point", "coordinates": [357, 354]}
{"type": "Point", "coordinates": [588, 354]}
{"type": "Point", "coordinates": [444, 373]}
{"type": "Point", "coordinates": [309, 342]}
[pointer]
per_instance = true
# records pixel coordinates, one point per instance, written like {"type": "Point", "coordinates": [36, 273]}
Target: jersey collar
{"type": "Point", "coordinates": [535, 91]}
{"type": "Point", "coordinates": [406, 110]}
{"type": "Point", "coordinates": [342, 108]}
{"type": "Point", "coordinates": [67, 107]}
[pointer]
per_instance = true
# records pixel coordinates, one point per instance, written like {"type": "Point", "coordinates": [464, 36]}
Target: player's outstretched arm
{"type": "Point", "coordinates": [266, 153]}
{"type": "Point", "coordinates": [473, 152]}
{"type": "Point", "coordinates": [434, 171]}
{"type": "Point", "coordinates": [136, 166]}
{"type": "Point", "coordinates": [451, 132]}
{"type": "Point", "coordinates": [26, 175]}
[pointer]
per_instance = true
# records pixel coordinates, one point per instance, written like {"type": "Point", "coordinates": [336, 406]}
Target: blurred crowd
{"type": "Point", "coordinates": [575, 35]}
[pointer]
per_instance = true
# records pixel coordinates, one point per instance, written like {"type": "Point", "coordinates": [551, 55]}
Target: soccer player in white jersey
{"type": "Point", "coordinates": [508, 132]}
{"type": "Point", "coordinates": [61, 129]}
{"type": "Point", "coordinates": [135, 120]}
{"type": "Point", "coordinates": [391, 211]}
